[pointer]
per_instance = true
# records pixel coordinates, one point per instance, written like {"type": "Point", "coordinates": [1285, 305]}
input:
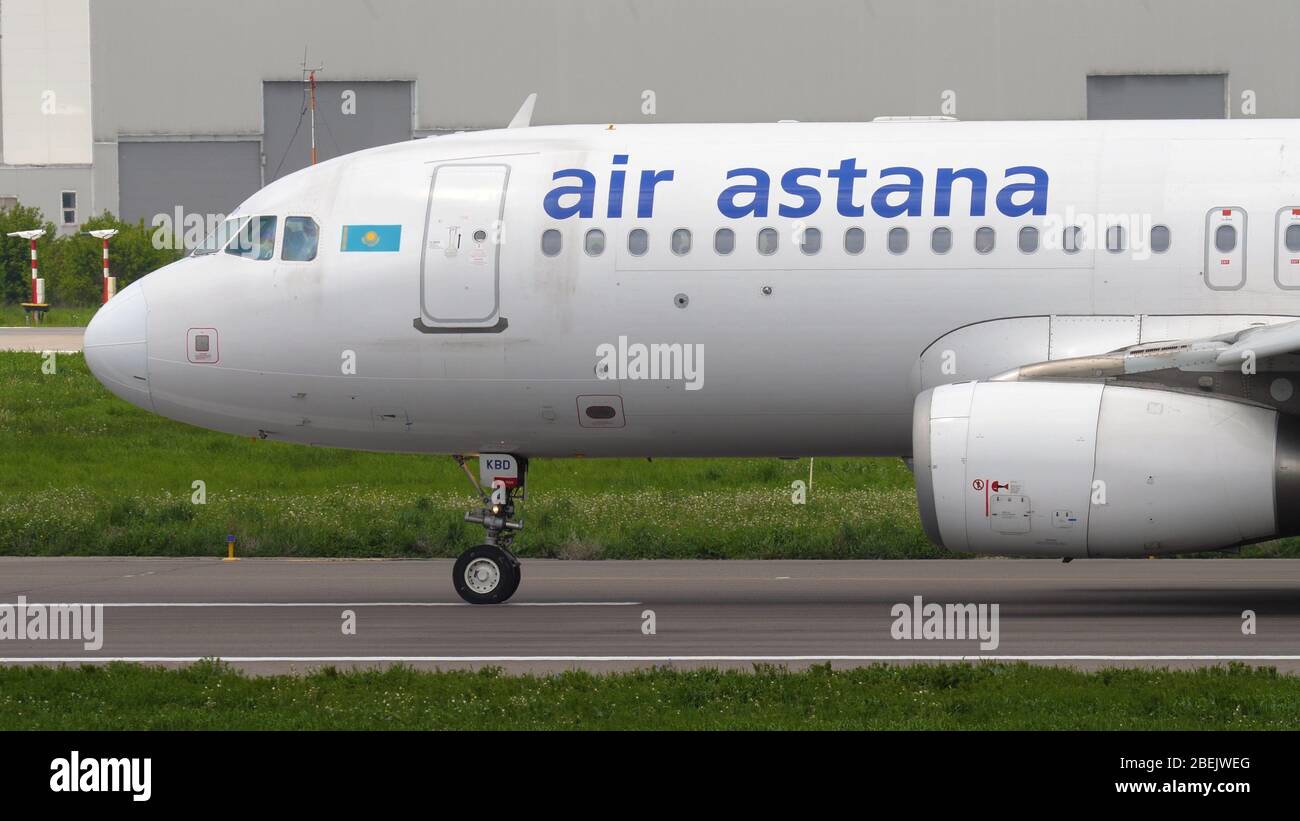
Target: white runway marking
{"type": "Point", "coordinates": [665, 659]}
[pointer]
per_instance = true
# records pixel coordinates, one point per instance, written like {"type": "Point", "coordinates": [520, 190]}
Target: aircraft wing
{"type": "Point", "coordinates": [1242, 350]}
{"type": "Point", "coordinates": [1261, 343]}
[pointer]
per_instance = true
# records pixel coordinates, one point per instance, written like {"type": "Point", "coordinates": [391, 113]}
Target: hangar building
{"type": "Point", "coordinates": [155, 109]}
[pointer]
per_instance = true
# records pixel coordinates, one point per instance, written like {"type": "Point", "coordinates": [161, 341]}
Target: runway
{"type": "Point", "coordinates": [39, 340]}
{"type": "Point", "coordinates": [273, 615]}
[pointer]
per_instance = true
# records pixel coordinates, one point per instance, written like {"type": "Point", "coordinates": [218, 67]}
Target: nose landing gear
{"type": "Point", "coordinates": [490, 573]}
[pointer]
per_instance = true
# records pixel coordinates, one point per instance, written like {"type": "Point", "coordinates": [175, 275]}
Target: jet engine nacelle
{"type": "Point", "coordinates": [1094, 470]}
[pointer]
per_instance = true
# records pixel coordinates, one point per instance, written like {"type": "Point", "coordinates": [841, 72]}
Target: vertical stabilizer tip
{"type": "Point", "coordinates": [524, 116]}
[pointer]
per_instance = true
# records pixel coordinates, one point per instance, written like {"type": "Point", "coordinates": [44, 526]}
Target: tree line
{"type": "Point", "coordinates": [71, 264]}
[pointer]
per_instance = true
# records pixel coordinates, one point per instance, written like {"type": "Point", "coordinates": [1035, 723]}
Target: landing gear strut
{"type": "Point", "coordinates": [490, 573]}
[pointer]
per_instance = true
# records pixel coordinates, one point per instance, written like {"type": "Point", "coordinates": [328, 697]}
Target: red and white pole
{"type": "Point", "coordinates": [106, 294]}
{"type": "Point", "coordinates": [104, 235]}
{"type": "Point", "coordinates": [35, 275]}
{"type": "Point", "coordinates": [31, 237]}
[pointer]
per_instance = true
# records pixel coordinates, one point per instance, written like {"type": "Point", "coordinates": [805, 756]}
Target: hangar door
{"type": "Point", "coordinates": [349, 117]}
{"type": "Point", "coordinates": [198, 177]}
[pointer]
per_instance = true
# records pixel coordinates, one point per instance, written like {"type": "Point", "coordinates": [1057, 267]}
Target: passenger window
{"type": "Point", "coordinates": [985, 238]}
{"type": "Point", "coordinates": [638, 242]}
{"type": "Point", "coordinates": [594, 242]}
{"type": "Point", "coordinates": [941, 240]}
{"type": "Point", "coordinates": [1159, 238]}
{"type": "Point", "coordinates": [1225, 239]}
{"type": "Point", "coordinates": [1028, 239]}
{"type": "Point", "coordinates": [897, 242]}
{"type": "Point", "coordinates": [768, 241]}
{"type": "Point", "coordinates": [551, 242]}
{"type": "Point", "coordinates": [681, 242]}
{"type": "Point", "coordinates": [855, 239]}
{"type": "Point", "coordinates": [724, 241]}
{"type": "Point", "coordinates": [301, 239]}
{"type": "Point", "coordinates": [812, 241]}
{"type": "Point", "coordinates": [1071, 239]}
{"type": "Point", "coordinates": [1115, 239]}
{"type": "Point", "coordinates": [1293, 238]}
{"type": "Point", "coordinates": [255, 239]}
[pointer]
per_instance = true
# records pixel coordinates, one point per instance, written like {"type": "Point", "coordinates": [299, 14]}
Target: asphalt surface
{"type": "Point", "coordinates": [275, 615]}
{"type": "Point", "coordinates": [39, 340]}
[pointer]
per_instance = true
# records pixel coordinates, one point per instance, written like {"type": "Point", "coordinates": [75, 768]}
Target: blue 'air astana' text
{"type": "Point", "coordinates": [899, 191]}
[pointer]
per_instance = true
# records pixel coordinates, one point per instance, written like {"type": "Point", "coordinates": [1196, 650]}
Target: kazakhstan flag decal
{"type": "Point", "coordinates": [372, 237]}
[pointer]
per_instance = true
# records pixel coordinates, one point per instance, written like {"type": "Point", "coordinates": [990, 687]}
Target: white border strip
{"type": "Point", "coordinates": [665, 659]}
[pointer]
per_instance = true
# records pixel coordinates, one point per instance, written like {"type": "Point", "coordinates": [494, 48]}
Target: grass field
{"type": "Point", "coordinates": [992, 696]}
{"type": "Point", "coordinates": [84, 473]}
{"type": "Point", "coordinates": [11, 315]}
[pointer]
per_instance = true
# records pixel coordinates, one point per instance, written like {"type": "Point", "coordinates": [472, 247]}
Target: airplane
{"type": "Point", "coordinates": [1083, 334]}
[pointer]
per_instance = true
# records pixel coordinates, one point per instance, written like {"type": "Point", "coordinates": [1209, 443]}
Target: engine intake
{"type": "Point", "coordinates": [1099, 470]}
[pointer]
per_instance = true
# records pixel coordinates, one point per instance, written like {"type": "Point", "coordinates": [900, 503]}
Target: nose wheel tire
{"type": "Point", "coordinates": [518, 575]}
{"type": "Point", "coordinates": [486, 574]}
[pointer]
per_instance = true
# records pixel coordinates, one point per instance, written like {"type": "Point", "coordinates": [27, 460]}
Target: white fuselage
{"type": "Point", "coordinates": [455, 342]}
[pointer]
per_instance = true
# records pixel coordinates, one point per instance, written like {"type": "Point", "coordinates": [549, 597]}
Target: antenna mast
{"type": "Point", "coordinates": [309, 78]}
{"type": "Point", "coordinates": [312, 80]}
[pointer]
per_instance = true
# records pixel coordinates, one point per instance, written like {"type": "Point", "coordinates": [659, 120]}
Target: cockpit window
{"type": "Point", "coordinates": [255, 239]}
{"type": "Point", "coordinates": [301, 237]}
{"type": "Point", "coordinates": [219, 238]}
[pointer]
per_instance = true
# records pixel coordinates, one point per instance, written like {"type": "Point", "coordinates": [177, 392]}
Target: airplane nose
{"type": "Point", "coordinates": [116, 348]}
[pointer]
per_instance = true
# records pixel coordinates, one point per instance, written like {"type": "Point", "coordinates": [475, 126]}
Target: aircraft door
{"type": "Point", "coordinates": [1286, 251]}
{"type": "Point", "coordinates": [1225, 249]}
{"type": "Point", "coordinates": [460, 275]}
